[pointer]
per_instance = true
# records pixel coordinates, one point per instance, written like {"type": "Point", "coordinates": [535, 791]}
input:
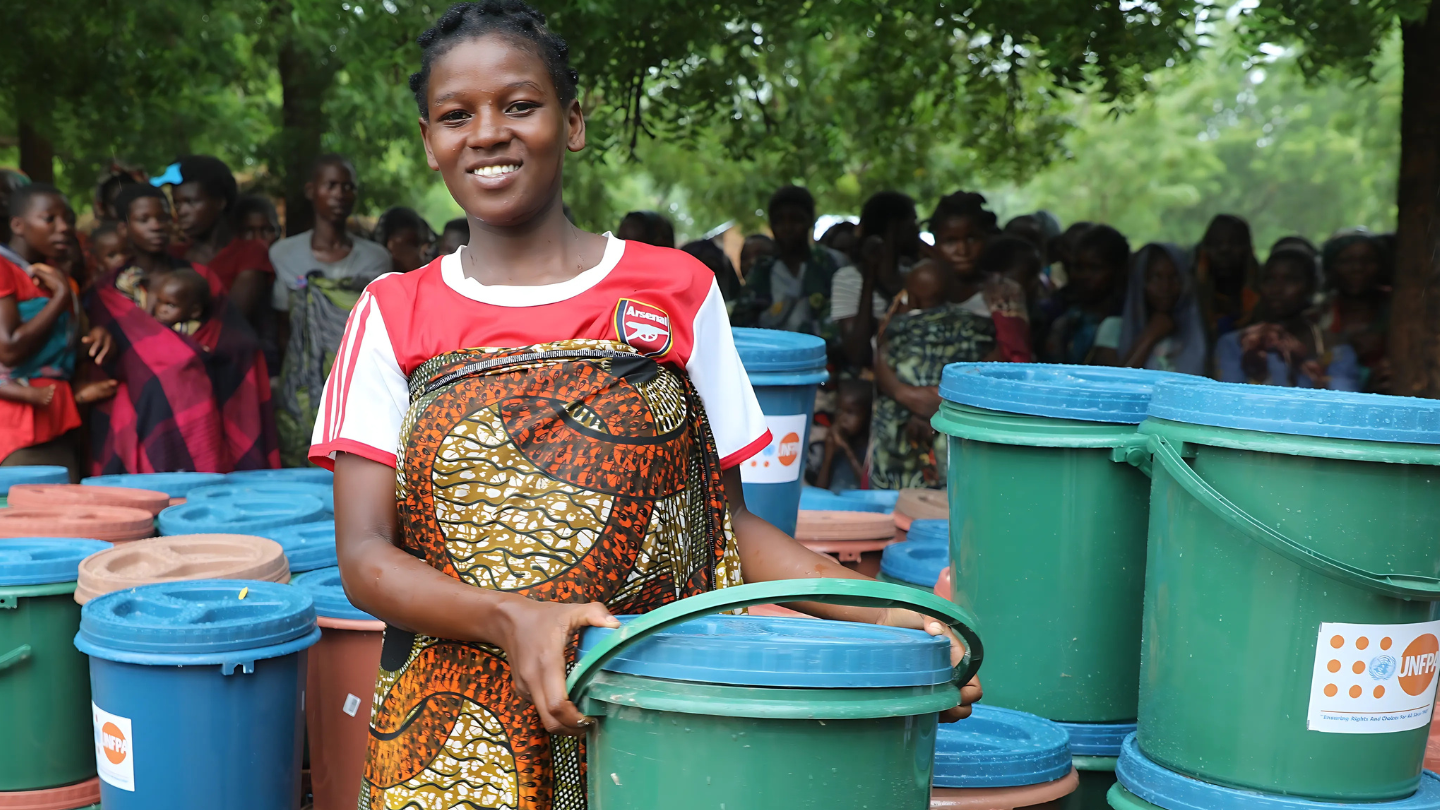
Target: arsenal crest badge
{"type": "Point", "coordinates": [643, 326]}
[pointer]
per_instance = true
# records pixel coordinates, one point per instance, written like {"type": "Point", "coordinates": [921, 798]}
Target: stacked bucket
{"type": "Point", "coordinates": [1248, 572]}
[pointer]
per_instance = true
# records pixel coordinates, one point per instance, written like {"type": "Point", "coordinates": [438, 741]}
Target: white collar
{"type": "Point", "coordinates": [452, 272]}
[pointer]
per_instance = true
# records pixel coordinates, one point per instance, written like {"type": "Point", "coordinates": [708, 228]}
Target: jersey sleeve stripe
{"type": "Point", "coordinates": [350, 353]}
{"type": "Point", "coordinates": [324, 454]}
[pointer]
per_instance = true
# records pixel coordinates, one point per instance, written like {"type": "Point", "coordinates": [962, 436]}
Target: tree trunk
{"type": "Point", "coordinates": [1415, 314]}
{"type": "Point", "coordinates": [304, 78]}
{"type": "Point", "coordinates": [37, 155]}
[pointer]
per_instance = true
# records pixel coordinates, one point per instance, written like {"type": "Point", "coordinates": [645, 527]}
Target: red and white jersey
{"type": "Point", "coordinates": [662, 302]}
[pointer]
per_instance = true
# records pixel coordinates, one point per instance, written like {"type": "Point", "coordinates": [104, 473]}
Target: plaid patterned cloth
{"type": "Point", "coordinates": [196, 402]}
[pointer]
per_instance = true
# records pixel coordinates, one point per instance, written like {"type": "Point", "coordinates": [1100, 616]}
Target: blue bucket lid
{"type": "Point", "coordinates": [880, 497]}
{"type": "Point", "coordinates": [823, 500]}
{"type": "Point", "coordinates": [1086, 393]}
{"type": "Point", "coordinates": [915, 563]}
{"type": "Point", "coordinates": [1097, 739]}
{"type": "Point", "coordinates": [44, 560]}
{"type": "Point", "coordinates": [197, 616]}
{"type": "Point", "coordinates": [1173, 791]}
{"type": "Point", "coordinates": [996, 747]}
{"type": "Point", "coordinates": [265, 489]}
{"type": "Point", "coordinates": [36, 474]}
{"type": "Point", "coordinates": [771, 351]}
{"type": "Point", "coordinates": [174, 484]}
{"type": "Point", "coordinates": [323, 585]}
{"type": "Point", "coordinates": [241, 515]}
{"type": "Point", "coordinates": [765, 651]}
{"type": "Point", "coordinates": [1300, 411]}
{"type": "Point", "coordinates": [308, 546]}
{"type": "Point", "coordinates": [934, 532]}
{"type": "Point", "coordinates": [308, 475]}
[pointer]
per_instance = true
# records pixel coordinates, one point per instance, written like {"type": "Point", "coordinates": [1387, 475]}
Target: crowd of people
{"type": "Point", "coordinates": [182, 333]}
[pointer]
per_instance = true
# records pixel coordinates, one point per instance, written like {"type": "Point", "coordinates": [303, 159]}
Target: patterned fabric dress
{"type": "Point", "coordinates": [568, 472]}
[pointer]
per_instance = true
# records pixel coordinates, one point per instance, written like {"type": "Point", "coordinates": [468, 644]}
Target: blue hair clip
{"type": "Point", "coordinates": [171, 176]}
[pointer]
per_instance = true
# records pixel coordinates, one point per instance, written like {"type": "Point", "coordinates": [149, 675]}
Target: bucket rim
{"type": "Point", "coordinates": [768, 702]}
{"type": "Point", "coordinates": [228, 660]}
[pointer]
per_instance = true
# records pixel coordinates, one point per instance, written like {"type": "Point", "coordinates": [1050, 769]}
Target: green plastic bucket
{"type": "Point", "coordinates": [1294, 560]}
{"type": "Point", "coordinates": [1047, 532]}
{"type": "Point", "coordinates": [44, 680]}
{"type": "Point", "coordinates": [769, 714]}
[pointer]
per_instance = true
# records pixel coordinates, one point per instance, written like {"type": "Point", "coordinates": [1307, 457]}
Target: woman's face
{"type": "Point", "coordinates": [1357, 269]}
{"type": "Point", "coordinates": [1285, 289]}
{"type": "Point", "coordinates": [1092, 277]}
{"type": "Point", "coordinates": [195, 211]}
{"type": "Point", "coordinates": [497, 130]}
{"type": "Point", "coordinates": [1228, 248]}
{"type": "Point", "coordinates": [1163, 284]}
{"type": "Point", "coordinates": [148, 225]}
{"type": "Point", "coordinates": [958, 242]}
{"type": "Point", "coordinates": [407, 250]}
{"type": "Point", "coordinates": [45, 225]}
{"type": "Point", "coordinates": [258, 225]}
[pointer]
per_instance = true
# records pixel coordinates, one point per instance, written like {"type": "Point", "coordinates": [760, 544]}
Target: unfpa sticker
{"type": "Point", "coordinates": [1373, 678]}
{"type": "Point", "coordinates": [114, 748]}
{"type": "Point", "coordinates": [782, 459]}
{"type": "Point", "coordinates": [643, 326]}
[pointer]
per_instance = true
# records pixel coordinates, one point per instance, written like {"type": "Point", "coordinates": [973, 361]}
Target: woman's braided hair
{"type": "Point", "coordinates": [513, 18]}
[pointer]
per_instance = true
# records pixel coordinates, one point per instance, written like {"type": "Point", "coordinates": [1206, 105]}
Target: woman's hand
{"type": "Point", "coordinates": [535, 638]}
{"type": "Point", "coordinates": [100, 342]}
{"type": "Point", "coordinates": [970, 692]}
{"type": "Point", "coordinates": [53, 281]}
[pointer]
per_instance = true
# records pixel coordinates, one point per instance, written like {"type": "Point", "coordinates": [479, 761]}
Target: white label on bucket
{"type": "Point", "coordinates": [114, 754]}
{"type": "Point", "coordinates": [352, 705]}
{"type": "Point", "coordinates": [780, 461]}
{"type": "Point", "coordinates": [1373, 678]}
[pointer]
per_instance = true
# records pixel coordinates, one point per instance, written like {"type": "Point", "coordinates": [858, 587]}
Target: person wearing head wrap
{"type": "Point", "coordinates": [1225, 274]}
{"type": "Point", "coordinates": [1161, 327]}
{"type": "Point", "coordinates": [1357, 309]}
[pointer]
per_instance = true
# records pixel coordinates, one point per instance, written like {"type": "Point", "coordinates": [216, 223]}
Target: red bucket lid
{"type": "Point", "coordinates": [181, 557]}
{"type": "Point", "coordinates": [69, 797]}
{"type": "Point", "coordinates": [60, 497]}
{"type": "Point", "coordinates": [112, 523]}
{"type": "Point", "coordinates": [817, 525]}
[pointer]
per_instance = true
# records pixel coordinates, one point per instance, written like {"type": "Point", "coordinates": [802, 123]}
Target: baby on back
{"type": "Point", "coordinates": [180, 300]}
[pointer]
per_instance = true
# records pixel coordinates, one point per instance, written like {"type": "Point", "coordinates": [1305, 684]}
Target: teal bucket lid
{"type": "Point", "coordinates": [766, 651]}
{"type": "Point", "coordinates": [324, 586]}
{"type": "Point", "coordinates": [308, 475]}
{"type": "Point", "coordinates": [815, 499]}
{"type": "Point", "coordinates": [1300, 411]}
{"type": "Point", "coordinates": [308, 546]}
{"type": "Point", "coordinates": [773, 357]}
{"type": "Point", "coordinates": [174, 484]}
{"type": "Point", "coordinates": [34, 474]}
{"type": "Point", "coordinates": [264, 488]}
{"type": "Point", "coordinates": [996, 747]}
{"type": "Point", "coordinates": [1085, 393]}
{"type": "Point", "coordinates": [240, 515]}
{"type": "Point", "coordinates": [1174, 791]}
{"type": "Point", "coordinates": [918, 563]}
{"type": "Point", "coordinates": [44, 560]}
{"type": "Point", "coordinates": [192, 617]}
{"type": "Point", "coordinates": [931, 532]}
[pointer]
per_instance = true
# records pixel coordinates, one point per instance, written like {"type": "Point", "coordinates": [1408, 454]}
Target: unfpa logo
{"type": "Point", "coordinates": [788, 449]}
{"type": "Point", "coordinates": [114, 744]}
{"type": "Point", "coordinates": [1417, 665]}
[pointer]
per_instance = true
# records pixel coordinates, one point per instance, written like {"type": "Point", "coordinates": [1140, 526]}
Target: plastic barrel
{"type": "Point", "coordinates": [854, 538]}
{"type": "Point", "coordinates": [198, 689]}
{"type": "Point", "coordinates": [44, 682]}
{"type": "Point", "coordinates": [241, 514]}
{"type": "Point", "coordinates": [308, 546]}
{"type": "Point", "coordinates": [1096, 748]}
{"type": "Point", "coordinates": [999, 759]}
{"type": "Point", "coordinates": [110, 523]}
{"type": "Point", "coordinates": [183, 557]}
{"type": "Point", "coordinates": [264, 489]}
{"type": "Point", "coordinates": [56, 497]}
{"type": "Point", "coordinates": [174, 484]}
{"type": "Point", "coordinates": [1144, 785]}
{"type": "Point", "coordinates": [341, 685]}
{"type": "Point", "coordinates": [1292, 558]}
{"type": "Point", "coordinates": [33, 474]}
{"type": "Point", "coordinates": [914, 563]}
{"type": "Point", "coordinates": [1048, 530]}
{"type": "Point", "coordinates": [695, 710]}
{"type": "Point", "coordinates": [785, 368]}
{"type": "Point", "coordinates": [285, 475]}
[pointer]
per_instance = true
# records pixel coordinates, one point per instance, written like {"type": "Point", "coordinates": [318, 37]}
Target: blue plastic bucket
{"type": "Point", "coordinates": [174, 484]}
{"type": "Point", "coordinates": [785, 368]}
{"type": "Point", "coordinates": [240, 515]}
{"type": "Point", "coordinates": [308, 546]}
{"type": "Point", "coordinates": [297, 475]}
{"type": "Point", "coordinates": [265, 489]}
{"type": "Point", "coordinates": [915, 563]}
{"type": "Point", "coordinates": [198, 693]}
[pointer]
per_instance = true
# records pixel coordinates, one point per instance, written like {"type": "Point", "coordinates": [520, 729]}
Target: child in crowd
{"type": "Point", "coordinates": [407, 236]}
{"type": "Point", "coordinates": [465, 377]}
{"type": "Point", "coordinates": [455, 234]}
{"type": "Point", "coordinates": [110, 248]}
{"type": "Point", "coordinates": [1357, 282]}
{"type": "Point", "coordinates": [756, 247]}
{"type": "Point", "coordinates": [1162, 328]}
{"type": "Point", "coordinates": [962, 225]}
{"type": "Point", "coordinates": [839, 463]}
{"type": "Point", "coordinates": [1089, 331]}
{"type": "Point", "coordinates": [180, 300]}
{"type": "Point", "coordinates": [1225, 269]}
{"type": "Point", "coordinates": [1286, 346]}
{"type": "Point", "coordinates": [255, 218]}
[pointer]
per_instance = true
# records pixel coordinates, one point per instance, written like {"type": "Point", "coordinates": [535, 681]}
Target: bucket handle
{"type": "Point", "coordinates": [851, 592]}
{"type": "Point", "coordinates": [1400, 585]}
{"type": "Point", "coordinates": [15, 656]}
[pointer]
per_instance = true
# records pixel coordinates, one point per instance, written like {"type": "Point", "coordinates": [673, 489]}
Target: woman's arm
{"type": "Point", "coordinates": [20, 340]}
{"type": "Point", "coordinates": [388, 583]}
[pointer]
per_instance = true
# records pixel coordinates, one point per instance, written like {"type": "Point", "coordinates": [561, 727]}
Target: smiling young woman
{"type": "Point", "coordinates": [521, 445]}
